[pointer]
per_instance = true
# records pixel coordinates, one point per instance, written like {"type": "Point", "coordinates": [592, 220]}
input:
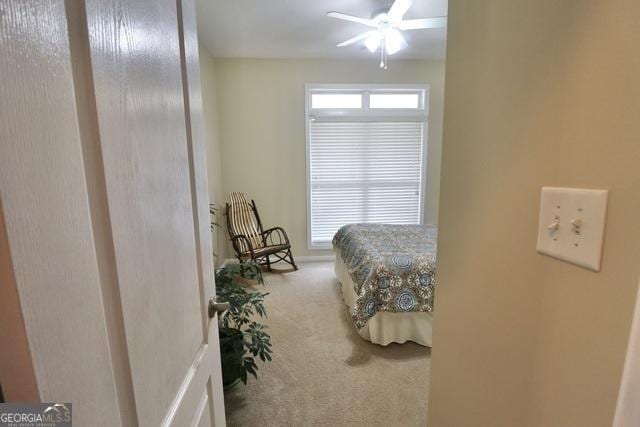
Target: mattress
{"type": "Point", "coordinates": [391, 268]}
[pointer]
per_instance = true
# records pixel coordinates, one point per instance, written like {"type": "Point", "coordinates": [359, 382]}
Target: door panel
{"type": "Point", "coordinates": [48, 255]}
{"type": "Point", "coordinates": [197, 155]}
{"type": "Point", "coordinates": [103, 194]}
{"type": "Point", "coordinates": [137, 74]}
{"type": "Point", "coordinates": [203, 420]}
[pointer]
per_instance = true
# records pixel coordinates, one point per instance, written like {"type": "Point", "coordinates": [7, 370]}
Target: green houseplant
{"type": "Point", "coordinates": [242, 339]}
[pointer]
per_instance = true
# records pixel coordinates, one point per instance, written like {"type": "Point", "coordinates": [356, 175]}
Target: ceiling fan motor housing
{"type": "Point", "coordinates": [379, 12]}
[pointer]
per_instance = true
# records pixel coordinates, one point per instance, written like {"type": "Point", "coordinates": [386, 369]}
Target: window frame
{"type": "Point", "coordinates": [420, 114]}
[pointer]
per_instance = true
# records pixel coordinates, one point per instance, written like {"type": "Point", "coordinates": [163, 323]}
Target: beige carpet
{"type": "Point", "coordinates": [323, 373]}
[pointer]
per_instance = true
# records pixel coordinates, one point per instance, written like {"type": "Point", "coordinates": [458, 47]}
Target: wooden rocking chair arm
{"type": "Point", "coordinates": [281, 234]}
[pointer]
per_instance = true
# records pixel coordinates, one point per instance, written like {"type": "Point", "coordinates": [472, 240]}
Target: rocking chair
{"type": "Point", "coordinates": [250, 241]}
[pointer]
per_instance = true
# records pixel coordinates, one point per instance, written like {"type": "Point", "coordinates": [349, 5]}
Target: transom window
{"type": "Point", "coordinates": [366, 148]}
{"type": "Point", "coordinates": [336, 100]}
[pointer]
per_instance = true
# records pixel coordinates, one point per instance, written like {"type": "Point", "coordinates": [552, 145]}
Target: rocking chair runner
{"type": "Point", "coordinates": [250, 241]}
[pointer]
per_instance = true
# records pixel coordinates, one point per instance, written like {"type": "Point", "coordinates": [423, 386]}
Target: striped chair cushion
{"type": "Point", "coordinates": [243, 222]}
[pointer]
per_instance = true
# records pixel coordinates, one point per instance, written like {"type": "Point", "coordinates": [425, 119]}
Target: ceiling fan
{"type": "Point", "coordinates": [387, 25]}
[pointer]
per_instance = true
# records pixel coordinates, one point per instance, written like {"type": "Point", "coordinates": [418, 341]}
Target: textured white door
{"type": "Point", "coordinates": [54, 344]}
{"type": "Point", "coordinates": [104, 236]}
{"type": "Point", "coordinates": [151, 149]}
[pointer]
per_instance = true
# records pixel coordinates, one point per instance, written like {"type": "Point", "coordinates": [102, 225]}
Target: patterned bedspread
{"type": "Point", "coordinates": [392, 267]}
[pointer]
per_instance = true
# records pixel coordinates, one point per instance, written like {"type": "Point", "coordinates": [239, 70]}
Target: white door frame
{"type": "Point", "coordinates": [628, 406]}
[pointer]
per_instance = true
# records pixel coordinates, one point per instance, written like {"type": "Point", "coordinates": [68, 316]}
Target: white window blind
{"type": "Point", "coordinates": [363, 171]}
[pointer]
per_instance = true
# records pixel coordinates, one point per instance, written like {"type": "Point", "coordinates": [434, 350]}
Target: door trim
{"type": "Point", "coordinates": [627, 409]}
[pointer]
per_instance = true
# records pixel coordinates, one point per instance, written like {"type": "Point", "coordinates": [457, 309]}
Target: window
{"type": "Point", "coordinates": [365, 156]}
{"type": "Point", "coordinates": [394, 100]}
{"type": "Point", "coordinates": [336, 100]}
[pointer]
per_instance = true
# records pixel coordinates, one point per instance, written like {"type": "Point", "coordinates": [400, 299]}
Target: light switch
{"type": "Point", "coordinates": [571, 225]}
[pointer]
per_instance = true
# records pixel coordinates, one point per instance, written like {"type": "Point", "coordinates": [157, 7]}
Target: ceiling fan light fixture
{"type": "Point", "coordinates": [393, 41]}
{"type": "Point", "coordinates": [373, 41]}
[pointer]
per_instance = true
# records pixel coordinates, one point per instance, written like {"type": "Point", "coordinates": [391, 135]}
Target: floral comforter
{"type": "Point", "coordinates": [392, 267]}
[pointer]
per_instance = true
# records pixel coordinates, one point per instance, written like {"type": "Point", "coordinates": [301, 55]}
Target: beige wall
{"type": "Point", "coordinates": [214, 165]}
{"type": "Point", "coordinates": [262, 134]}
{"type": "Point", "coordinates": [539, 93]}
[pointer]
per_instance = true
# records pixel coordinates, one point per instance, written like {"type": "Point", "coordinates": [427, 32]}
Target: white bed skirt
{"type": "Point", "coordinates": [387, 327]}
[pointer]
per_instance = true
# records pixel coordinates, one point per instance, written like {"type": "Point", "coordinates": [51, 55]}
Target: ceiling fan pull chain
{"type": "Point", "coordinates": [383, 55]}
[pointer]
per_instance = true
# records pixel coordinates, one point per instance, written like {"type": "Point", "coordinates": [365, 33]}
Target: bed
{"type": "Point", "coordinates": [386, 274]}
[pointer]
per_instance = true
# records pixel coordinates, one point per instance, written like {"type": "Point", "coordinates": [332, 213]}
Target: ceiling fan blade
{"type": "Point", "coordinates": [351, 18]}
{"type": "Point", "coordinates": [398, 9]}
{"type": "Point", "coordinates": [422, 23]}
{"type": "Point", "coordinates": [356, 38]}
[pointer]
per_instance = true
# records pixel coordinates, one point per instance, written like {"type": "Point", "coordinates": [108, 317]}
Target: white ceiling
{"type": "Point", "coordinates": [301, 29]}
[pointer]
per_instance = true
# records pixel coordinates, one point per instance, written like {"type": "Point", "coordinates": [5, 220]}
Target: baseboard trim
{"type": "Point", "coordinates": [315, 258]}
{"type": "Point", "coordinates": [299, 259]}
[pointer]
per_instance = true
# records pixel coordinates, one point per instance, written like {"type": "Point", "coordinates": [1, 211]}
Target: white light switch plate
{"type": "Point", "coordinates": [571, 225]}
